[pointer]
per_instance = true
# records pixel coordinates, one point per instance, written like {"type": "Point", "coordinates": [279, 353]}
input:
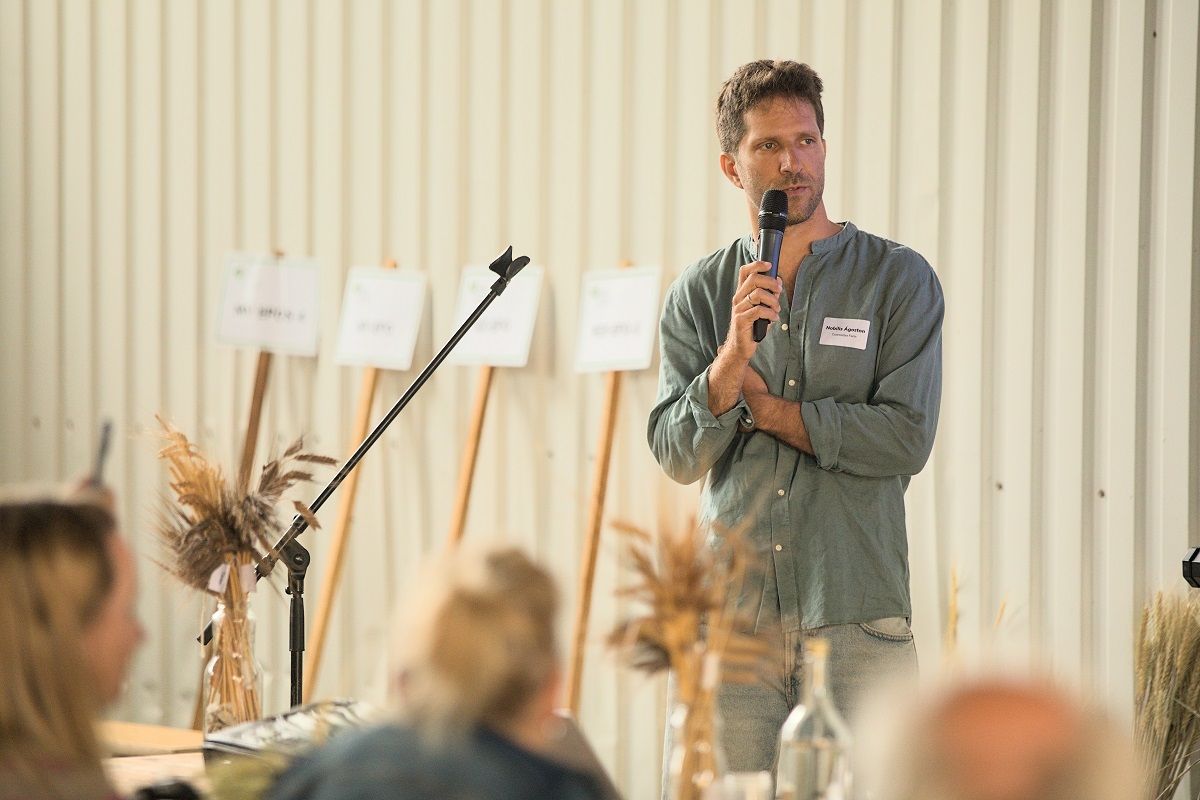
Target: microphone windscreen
{"type": "Point", "coordinates": [772, 212]}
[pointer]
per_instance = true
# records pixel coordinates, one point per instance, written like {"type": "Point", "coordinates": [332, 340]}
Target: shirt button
{"type": "Point", "coordinates": [792, 382]}
{"type": "Point", "coordinates": [783, 326]}
{"type": "Point", "coordinates": [778, 547]}
{"type": "Point", "coordinates": [781, 492]}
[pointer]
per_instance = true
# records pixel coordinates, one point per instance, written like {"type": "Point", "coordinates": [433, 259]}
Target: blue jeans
{"type": "Point", "coordinates": [750, 715]}
{"type": "Point", "coordinates": [860, 656]}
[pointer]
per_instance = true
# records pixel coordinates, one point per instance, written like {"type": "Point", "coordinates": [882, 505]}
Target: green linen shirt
{"type": "Point", "coordinates": [859, 345]}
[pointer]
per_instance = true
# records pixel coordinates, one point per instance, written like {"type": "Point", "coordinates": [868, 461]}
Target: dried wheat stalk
{"type": "Point", "coordinates": [1166, 716]}
{"type": "Point", "coordinates": [691, 627]}
{"type": "Point", "coordinates": [210, 524]}
{"type": "Point", "coordinates": [950, 640]}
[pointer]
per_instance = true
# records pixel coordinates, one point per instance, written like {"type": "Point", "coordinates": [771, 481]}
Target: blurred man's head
{"type": "Point", "coordinates": [1009, 740]}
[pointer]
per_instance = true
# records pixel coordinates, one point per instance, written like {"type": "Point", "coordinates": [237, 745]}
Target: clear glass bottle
{"type": "Point", "coordinates": [814, 743]}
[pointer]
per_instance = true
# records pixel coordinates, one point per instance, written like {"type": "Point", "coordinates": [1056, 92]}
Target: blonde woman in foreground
{"type": "Point", "coordinates": [476, 682]}
{"type": "Point", "coordinates": [67, 631]}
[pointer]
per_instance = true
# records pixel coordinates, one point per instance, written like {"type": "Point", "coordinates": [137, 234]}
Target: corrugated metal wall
{"type": "Point", "coordinates": [1042, 155]}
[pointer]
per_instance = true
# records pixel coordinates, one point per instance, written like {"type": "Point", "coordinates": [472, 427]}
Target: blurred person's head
{"type": "Point", "coordinates": [477, 646]}
{"type": "Point", "coordinates": [67, 624]}
{"type": "Point", "coordinates": [1002, 739]}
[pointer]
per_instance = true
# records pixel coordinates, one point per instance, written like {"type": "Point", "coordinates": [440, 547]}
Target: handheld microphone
{"type": "Point", "coordinates": [772, 219]}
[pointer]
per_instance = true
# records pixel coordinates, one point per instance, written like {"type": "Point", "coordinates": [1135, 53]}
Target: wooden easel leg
{"type": "Point", "coordinates": [341, 534]}
{"type": "Point", "coordinates": [466, 474]}
{"type": "Point", "coordinates": [587, 569]}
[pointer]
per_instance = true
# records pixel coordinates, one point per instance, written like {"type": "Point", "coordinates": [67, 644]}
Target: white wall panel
{"type": "Point", "coordinates": [1068, 223]}
{"type": "Point", "coordinates": [14, 422]}
{"type": "Point", "coordinates": [1041, 154]}
{"type": "Point", "coordinates": [1119, 467]}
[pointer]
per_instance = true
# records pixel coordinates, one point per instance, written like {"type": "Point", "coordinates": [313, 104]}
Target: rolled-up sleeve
{"type": "Point", "coordinates": [891, 434]}
{"type": "Point", "coordinates": [684, 435]}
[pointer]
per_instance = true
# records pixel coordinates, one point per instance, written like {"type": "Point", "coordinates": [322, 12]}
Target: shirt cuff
{"type": "Point", "coordinates": [697, 395]}
{"type": "Point", "coordinates": [823, 423]}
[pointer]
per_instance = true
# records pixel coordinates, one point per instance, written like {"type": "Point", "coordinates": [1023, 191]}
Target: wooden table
{"type": "Point", "coordinates": [130, 773]}
{"type": "Point", "coordinates": [146, 754]}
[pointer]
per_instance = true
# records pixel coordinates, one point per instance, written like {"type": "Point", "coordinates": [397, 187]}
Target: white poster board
{"type": "Point", "coordinates": [381, 317]}
{"type": "Point", "coordinates": [501, 337]}
{"type": "Point", "coordinates": [270, 304]}
{"type": "Point", "coordinates": [618, 317]}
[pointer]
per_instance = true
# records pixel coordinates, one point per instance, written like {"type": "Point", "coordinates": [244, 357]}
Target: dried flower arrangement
{"type": "Point", "coordinates": [214, 536]}
{"type": "Point", "coordinates": [690, 626]}
{"type": "Point", "coordinates": [1167, 700]}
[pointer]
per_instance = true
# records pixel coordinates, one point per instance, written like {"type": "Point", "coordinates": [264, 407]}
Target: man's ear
{"type": "Point", "coordinates": [729, 168]}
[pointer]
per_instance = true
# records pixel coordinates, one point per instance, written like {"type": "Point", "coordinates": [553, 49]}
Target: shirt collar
{"type": "Point", "coordinates": [837, 240]}
{"type": "Point", "coordinates": [825, 245]}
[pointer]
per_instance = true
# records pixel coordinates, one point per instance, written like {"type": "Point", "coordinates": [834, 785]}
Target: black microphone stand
{"type": "Point", "coordinates": [291, 551]}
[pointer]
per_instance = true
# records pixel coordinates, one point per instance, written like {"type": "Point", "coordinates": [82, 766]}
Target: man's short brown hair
{"type": "Point", "coordinates": [762, 80]}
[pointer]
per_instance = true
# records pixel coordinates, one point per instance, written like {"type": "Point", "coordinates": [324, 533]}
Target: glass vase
{"type": "Point", "coordinates": [233, 677]}
{"type": "Point", "coordinates": [694, 762]}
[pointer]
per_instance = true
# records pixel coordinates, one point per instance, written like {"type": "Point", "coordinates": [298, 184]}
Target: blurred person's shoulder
{"type": "Point", "coordinates": [377, 762]}
{"type": "Point", "coordinates": [393, 761]}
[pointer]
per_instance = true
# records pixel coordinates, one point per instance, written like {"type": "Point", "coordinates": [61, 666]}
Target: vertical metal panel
{"type": "Point", "coordinates": [603, 234]}
{"type": "Point", "coordinates": [650, 194]}
{"type": "Point", "coordinates": [1118, 471]}
{"type": "Point", "coordinates": [1041, 155]}
{"type": "Point", "coordinates": [1013, 338]}
{"type": "Point", "coordinates": [183, 300]}
{"type": "Point", "coordinates": [43, 249]}
{"type": "Point", "coordinates": [784, 30]}
{"type": "Point", "coordinates": [112, 255]}
{"type": "Point", "coordinates": [1172, 405]}
{"type": "Point", "coordinates": [145, 281]}
{"type": "Point", "coordinates": [485, 105]}
{"type": "Point", "coordinates": [694, 145]}
{"type": "Point", "coordinates": [735, 33]}
{"type": "Point", "coordinates": [870, 123]}
{"type": "Point", "coordinates": [329, 204]}
{"type": "Point", "coordinates": [830, 56]}
{"type": "Point", "coordinates": [409, 523]}
{"type": "Point", "coordinates": [13, 216]}
{"type": "Point", "coordinates": [222, 426]}
{"type": "Point", "coordinates": [917, 210]}
{"type": "Point", "coordinates": [1066, 342]}
{"type": "Point", "coordinates": [964, 121]}
{"type": "Point", "coordinates": [77, 425]}
{"type": "Point", "coordinates": [566, 217]}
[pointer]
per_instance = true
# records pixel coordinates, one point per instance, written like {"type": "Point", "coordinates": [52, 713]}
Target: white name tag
{"type": "Point", "coordinates": [845, 332]}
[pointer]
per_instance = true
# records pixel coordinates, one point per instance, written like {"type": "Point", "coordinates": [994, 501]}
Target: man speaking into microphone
{"type": "Point", "coordinates": [812, 433]}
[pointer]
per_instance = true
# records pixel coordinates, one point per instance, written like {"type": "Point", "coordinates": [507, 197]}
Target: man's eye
{"type": "Point", "coordinates": [768, 145]}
